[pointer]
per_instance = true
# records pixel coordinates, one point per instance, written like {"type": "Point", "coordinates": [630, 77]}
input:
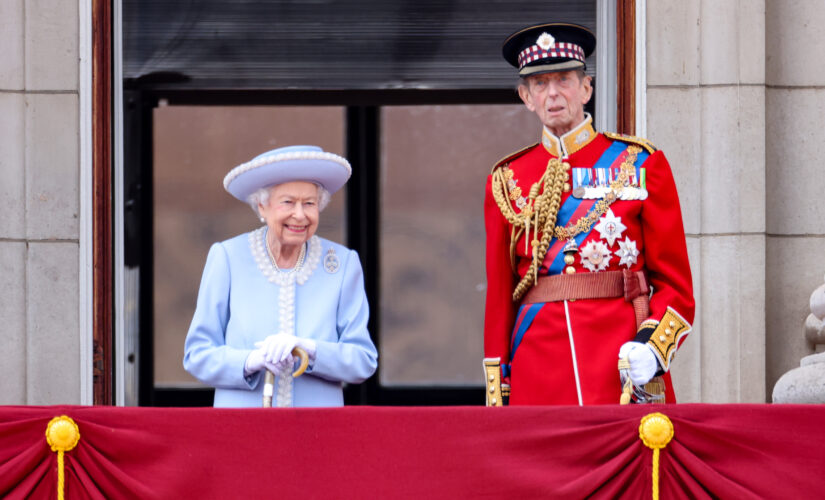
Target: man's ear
{"type": "Point", "coordinates": [524, 93]}
{"type": "Point", "coordinates": [588, 85]}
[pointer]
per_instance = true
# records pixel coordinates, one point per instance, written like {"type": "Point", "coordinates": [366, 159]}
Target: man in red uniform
{"type": "Point", "coordinates": [586, 254]}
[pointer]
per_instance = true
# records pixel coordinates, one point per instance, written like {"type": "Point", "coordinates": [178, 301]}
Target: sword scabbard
{"type": "Point", "coordinates": [496, 393]}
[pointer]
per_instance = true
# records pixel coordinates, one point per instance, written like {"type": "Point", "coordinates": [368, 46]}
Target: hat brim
{"type": "Point", "coordinates": [538, 69]}
{"type": "Point", "coordinates": [325, 169]}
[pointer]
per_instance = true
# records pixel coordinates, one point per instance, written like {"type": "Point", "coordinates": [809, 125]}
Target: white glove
{"type": "Point", "coordinates": [643, 363]}
{"type": "Point", "coordinates": [254, 362]}
{"type": "Point", "coordinates": [278, 348]}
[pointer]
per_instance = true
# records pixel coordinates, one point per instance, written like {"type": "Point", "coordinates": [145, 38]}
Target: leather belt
{"type": "Point", "coordinates": [631, 285]}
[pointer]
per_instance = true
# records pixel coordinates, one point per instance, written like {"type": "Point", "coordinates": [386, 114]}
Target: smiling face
{"type": "Point", "coordinates": [291, 214]}
{"type": "Point", "coordinates": [558, 99]}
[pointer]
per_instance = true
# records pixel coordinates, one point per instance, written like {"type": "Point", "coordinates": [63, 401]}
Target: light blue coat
{"type": "Point", "coordinates": [238, 306]}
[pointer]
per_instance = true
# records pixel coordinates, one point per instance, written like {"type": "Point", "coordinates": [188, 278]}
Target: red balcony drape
{"type": "Point", "coordinates": [718, 451]}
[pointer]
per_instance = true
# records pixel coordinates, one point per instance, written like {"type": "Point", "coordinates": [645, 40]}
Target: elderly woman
{"type": "Point", "coordinates": [279, 287]}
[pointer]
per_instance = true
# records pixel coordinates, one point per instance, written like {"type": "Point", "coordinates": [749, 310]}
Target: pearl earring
{"type": "Point", "coordinates": [263, 220]}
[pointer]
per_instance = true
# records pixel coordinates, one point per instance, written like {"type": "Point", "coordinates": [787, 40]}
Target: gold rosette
{"type": "Point", "coordinates": [655, 431]}
{"type": "Point", "coordinates": [62, 434]}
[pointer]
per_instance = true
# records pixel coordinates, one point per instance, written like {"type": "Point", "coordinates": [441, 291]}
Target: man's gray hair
{"type": "Point", "coordinates": [261, 196]}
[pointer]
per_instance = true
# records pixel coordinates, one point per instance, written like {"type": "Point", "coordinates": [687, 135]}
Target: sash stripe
{"type": "Point", "coordinates": [555, 250]}
{"type": "Point", "coordinates": [527, 313]}
{"type": "Point", "coordinates": [519, 318]}
{"type": "Point", "coordinates": [610, 155]}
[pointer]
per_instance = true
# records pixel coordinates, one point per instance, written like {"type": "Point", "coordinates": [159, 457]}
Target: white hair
{"type": "Point", "coordinates": [261, 196]}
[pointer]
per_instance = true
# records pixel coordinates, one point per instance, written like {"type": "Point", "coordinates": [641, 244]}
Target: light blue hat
{"type": "Point", "coordinates": [287, 164]}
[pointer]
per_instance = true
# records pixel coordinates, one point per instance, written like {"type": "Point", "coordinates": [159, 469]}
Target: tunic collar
{"type": "Point", "coordinates": [569, 143]}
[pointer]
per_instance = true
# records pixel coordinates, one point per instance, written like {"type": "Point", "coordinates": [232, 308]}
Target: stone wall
{"type": "Point", "coordinates": [706, 110]}
{"type": "Point", "coordinates": [735, 98]}
{"type": "Point", "coordinates": [39, 201]}
{"type": "Point", "coordinates": [795, 145]}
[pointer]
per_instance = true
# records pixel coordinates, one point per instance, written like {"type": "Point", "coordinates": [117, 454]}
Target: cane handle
{"type": "Point", "coordinates": [301, 353]}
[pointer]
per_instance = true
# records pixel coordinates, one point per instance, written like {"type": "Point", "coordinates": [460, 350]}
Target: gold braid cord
{"type": "Point", "coordinates": [540, 212]}
{"type": "Point", "coordinates": [542, 208]}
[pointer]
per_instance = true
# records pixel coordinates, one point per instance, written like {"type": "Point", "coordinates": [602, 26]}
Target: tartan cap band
{"type": "Point", "coordinates": [557, 50]}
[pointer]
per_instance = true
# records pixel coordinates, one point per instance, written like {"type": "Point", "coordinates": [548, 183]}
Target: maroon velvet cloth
{"type": "Point", "coordinates": [718, 451]}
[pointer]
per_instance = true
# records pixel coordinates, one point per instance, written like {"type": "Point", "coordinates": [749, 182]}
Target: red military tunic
{"type": "Point", "coordinates": [566, 351]}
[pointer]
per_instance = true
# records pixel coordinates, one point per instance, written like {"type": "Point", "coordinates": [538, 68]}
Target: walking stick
{"type": "Point", "coordinates": [269, 377]}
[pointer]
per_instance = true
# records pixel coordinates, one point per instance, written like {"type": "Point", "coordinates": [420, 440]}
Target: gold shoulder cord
{"type": "Point", "coordinates": [542, 208]}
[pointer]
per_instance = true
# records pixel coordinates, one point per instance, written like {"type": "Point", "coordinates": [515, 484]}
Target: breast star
{"type": "Point", "coordinates": [610, 227]}
{"type": "Point", "coordinates": [627, 252]}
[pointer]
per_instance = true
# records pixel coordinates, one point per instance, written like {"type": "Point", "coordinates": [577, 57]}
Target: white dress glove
{"type": "Point", "coordinates": [254, 362]}
{"type": "Point", "coordinates": [643, 363]}
{"type": "Point", "coordinates": [278, 348]}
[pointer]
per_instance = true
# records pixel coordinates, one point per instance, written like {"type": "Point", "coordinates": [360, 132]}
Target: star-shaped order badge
{"type": "Point", "coordinates": [610, 227]}
{"type": "Point", "coordinates": [627, 252]}
{"type": "Point", "coordinates": [595, 256]}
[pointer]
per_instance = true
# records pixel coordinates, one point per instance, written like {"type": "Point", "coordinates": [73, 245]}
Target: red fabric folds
{"type": "Point", "coordinates": [718, 451]}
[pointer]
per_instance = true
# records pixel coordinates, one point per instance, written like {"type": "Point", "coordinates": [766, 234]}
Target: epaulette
{"type": "Point", "coordinates": [512, 156]}
{"type": "Point", "coordinates": [632, 139]}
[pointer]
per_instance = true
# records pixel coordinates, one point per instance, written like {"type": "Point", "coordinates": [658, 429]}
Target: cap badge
{"type": "Point", "coordinates": [545, 41]}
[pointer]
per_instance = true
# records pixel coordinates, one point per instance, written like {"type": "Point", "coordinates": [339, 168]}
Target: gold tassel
{"type": "Point", "coordinates": [627, 388]}
{"type": "Point", "coordinates": [535, 244]}
{"type": "Point", "coordinates": [526, 234]}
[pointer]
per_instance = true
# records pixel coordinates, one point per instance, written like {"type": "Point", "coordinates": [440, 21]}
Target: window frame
{"type": "Point", "coordinates": [363, 108]}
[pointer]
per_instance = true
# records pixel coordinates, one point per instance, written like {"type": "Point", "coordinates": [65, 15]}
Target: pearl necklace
{"type": "Point", "coordinates": [287, 282]}
{"type": "Point", "coordinates": [267, 266]}
{"type": "Point", "coordinates": [298, 265]}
